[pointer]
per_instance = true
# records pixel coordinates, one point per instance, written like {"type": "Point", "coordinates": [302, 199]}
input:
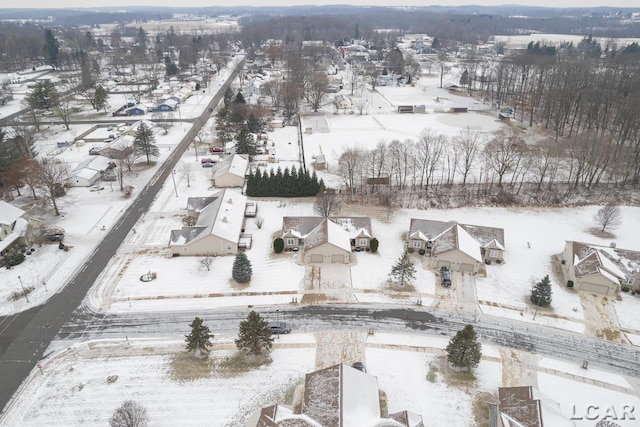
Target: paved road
{"type": "Point", "coordinates": [24, 337]}
{"type": "Point", "coordinates": [530, 337]}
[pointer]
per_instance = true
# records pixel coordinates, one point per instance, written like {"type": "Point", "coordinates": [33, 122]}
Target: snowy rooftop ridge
{"type": "Point", "coordinates": [429, 229]}
{"type": "Point", "coordinates": [237, 165]}
{"type": "Point", "coordinates": [592, 259]}
{"type": "Point", "coordinates": [9, 213]}
{"type": "Point", "coordinates": [339, 396]}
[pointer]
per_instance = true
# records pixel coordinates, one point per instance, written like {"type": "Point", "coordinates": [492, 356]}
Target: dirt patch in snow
{"type": "Point", "coordinates": [185, 367]}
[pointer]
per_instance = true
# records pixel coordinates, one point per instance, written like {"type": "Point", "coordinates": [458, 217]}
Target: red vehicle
{"type": "Point", "coordinates": [215, 150]}
{"type": "Point", "coordinates": [207, 160]}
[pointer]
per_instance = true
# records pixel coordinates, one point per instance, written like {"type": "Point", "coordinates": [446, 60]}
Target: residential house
{"type": "Point", "coordinates": [527, 407]}
{"type": "Point", "coordinates": [231, 171]}
{"type": "Point", "coordinates": [326, 240]}
{"type": "Point", "coordinates": [343, 103]}
{"type": "Point", "coordinates": [89, 171]}
{"type": "Point", "coordinates": [337, 396]}
{"type": "Point", "coordinates": [218, 226]}
{"type": "Point", "coordinates": [166, 106]}
{"type": "Point", "coordinates": [15, 230]}
{"type": "Point", "coordinates": [136, 110]}
{"type": "Point", "coordinates": [461, 247]}
{"type": "Point", "coordinates": [602, 270]}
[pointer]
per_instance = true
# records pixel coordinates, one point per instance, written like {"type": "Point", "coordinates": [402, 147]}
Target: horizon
{"type": "Point", "coordinates": [78, 4]}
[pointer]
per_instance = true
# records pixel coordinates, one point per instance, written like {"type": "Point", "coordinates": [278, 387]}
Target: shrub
{"type": "Point", "coordinates": [14, 259]}
{"type": "Point", "coordinates": [625, 289]}
{"type": "Point", "coordinates": [421, 251]}
{"type": "Point", "coordinates": [410, 250]}
{"type": "Point", "coordinates": [373, 244]}
{"type": "Point", "coordinates": [487, 261]}
{"type": "Point", "coordinates": [278, 245]}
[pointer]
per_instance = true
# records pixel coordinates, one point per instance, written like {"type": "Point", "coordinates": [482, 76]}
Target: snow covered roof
{"type": "Point", "coordinates": [430, 229]}
{"type": "Point", "coordinates": [237, 165]}
{"type": "Point", "coordinates": [9, 213]}
{"type": "Point", "coordinates": [328, 232]}
{"type": "Point", "coordinates": [456, 238]}
{"type": "Point", "coordinates": [528, 407]}
{"type": "Point", "coordinates": [339, 396]}
{"type": "Point", "coordinates": [99, 163]}
{"type": "Point", "coordinates": [86, 173]}
{"type": "Point", "coordinates": [222, 217]}
{"type": "Point", "coordinates": [594, 259]}
{"type": "Point", "coordinates": [354, 226]}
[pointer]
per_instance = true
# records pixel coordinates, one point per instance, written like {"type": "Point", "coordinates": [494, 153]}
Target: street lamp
{"type": "Point", "coordinates": [537, 305]}
{"type": "Point", "coordinates": [278, 322]}
{"type": "Point", "coordinates": [173, 177]}
{"type": "Point", "coordinates": [24, 291]}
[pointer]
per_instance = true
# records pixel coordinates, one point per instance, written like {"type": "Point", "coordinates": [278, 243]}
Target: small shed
{"type": "Point", "coordinates": [321, 162]}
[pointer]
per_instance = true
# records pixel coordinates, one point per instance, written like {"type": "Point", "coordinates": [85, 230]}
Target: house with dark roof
{"type": "Point", "coordinates": [218, 226]}
{"type": "Point", "coordinates": [602, 270]}
{"type": "Point", "coordinates": [326, 240]}
{"type": "Point", "coordinates": [461, 247]}
{"type": "Point", "coordinates": [338, 396]}
{"type": "Point", "coordinates": [528, 407]}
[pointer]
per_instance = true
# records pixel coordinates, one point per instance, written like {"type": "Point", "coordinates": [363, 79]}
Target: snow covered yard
{"type": "Point", "coordinates": [73, 389]}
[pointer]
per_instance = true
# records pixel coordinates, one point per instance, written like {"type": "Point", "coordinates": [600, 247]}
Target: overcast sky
{"type": "Point", "coordinates": [187, 3]}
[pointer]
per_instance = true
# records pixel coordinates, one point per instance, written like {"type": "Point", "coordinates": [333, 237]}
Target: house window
{"type": "Point", "coordinates": [493, 254]}
{"type": "Point", "coordinates": [362, 242]}
{"type": "Point", "coordinates": [290, 242]}
{"type": "Point", "coordinates": [417, 244]}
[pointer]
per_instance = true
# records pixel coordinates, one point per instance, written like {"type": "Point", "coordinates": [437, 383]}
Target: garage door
{"type": "Point", "coordinates": [594, 288]}
{"type": "Point", "coordinates": [337, 259]}
{"type": "Point", "coordinates": [442, 263]}
{"type": "Point", "coordinates": [468, 268]}
{"type": "Point", "coordinates": [316, 258]}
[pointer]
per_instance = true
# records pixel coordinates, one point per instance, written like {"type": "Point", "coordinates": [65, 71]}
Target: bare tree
{"type": "Point", "coordinates": [53, 173]}
{"type": "Point", "coordinates": [64, 111]}
{"type": "Point", "coordinates": [318, 85]}
{"type": "Point", "coordinates": [608, 216]}
{"type": "Point", "coordinates": [468, 144]}
{"type": "Point", "coordinates": [187, 171]}
{"type": "Point", "coordinates": [163, 120]}
{"type": "Point", "coordinates": [503, 152]}
{"type": "Point", "coordinates": [206, 262]}
{"type": "Point", "coordinates": [348, 165]}
{"type": "Point", "coordinates": [327, 203]}
{"type": "Point", "coordinates": [129, 414]}
{"type": "Point", "coordinates": [354, 77]}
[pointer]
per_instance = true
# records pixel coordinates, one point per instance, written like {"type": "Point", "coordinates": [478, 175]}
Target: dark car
{"type": "Point", "coordinates": [445, 276]}
{"type": "Point", "coordinates": [359, 366]}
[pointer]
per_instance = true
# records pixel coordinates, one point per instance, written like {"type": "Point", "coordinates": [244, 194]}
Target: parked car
{"type": "Point", "coordinates": [279, 327]}
{"type": "Point", "coordinates": [94, 151]}
{"type": "Point", "coordinates": [96, 188]}
{"type": "Point", "coordinates": [359, 366]}
{"type": "Point", "coordinates": [216, 150]}
{"type": "Point", "coordinates": [445, 276]}
{"type": "Point", "coordinates": [208, 165]}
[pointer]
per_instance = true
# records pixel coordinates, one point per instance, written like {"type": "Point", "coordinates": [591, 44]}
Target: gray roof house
{"type": "Point", "coordinates": [326, 240]}
{"type": "Point", "coordinates": [462, 247]}
{"type": "Point", "coordinates": [337, 396]}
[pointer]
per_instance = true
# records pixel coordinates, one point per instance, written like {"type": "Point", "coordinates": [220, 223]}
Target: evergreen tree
{"type": "Point", "coordinates": [239, 99]}
{"type": "Point", "coordinates": [200, 338]}
{"type": "Point", "coordinates": [254, 336]}
{"type": "Point", "coordinates": [100, 96]}
{"type": "Point", "coordinates": [404, 270]}
{"type": "Point", "coordinates": [51, 48]}
{"type": "Point", "coordinates": [241, 271]}
{"type": "Point", "coordinates": [253, 124]}
{"type": "Point", "coordinates": [43, 96]}
{"type": "Point", "coordinates": [245, 142]}
{"type": "Point", "coordinates": [464, 350]}
{"type": "Point", "coordinates": [145, 142]}
{"type": "Point", "coordinates": [228, 96]}
{"type": "Point", "coordinates": [541, 292]}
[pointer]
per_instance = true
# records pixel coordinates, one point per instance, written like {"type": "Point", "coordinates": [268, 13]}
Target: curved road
{"type": "Point", "coordinates": [25, 336]}
{"type": "Point", "coordinates": [520, 335]}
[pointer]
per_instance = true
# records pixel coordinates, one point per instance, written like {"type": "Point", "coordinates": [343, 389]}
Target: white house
{"type": "Point", "coordinates": [14, 229]}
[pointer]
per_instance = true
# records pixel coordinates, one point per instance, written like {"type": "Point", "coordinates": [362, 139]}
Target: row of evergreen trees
{"type": "Point", "coordinates": [287, 183]}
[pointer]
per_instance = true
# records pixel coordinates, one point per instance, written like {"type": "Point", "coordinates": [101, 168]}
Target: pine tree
{"type": "Point", "coordinates": [241, 271]}
{"type": "Point", "coordinates": [253, 124]}
{"type": "Point", "coordinates": [239, 99]}
{"type": "Point", "coordinates": [541, 292]}
{"type": "Point", "coordinates": [145, 142]}
{"type": "Point", "coordinates": [228, 96]}
{"type": "Point", "coordinates": [404, 270]}
{"type": "Point", "coordinates": [51, 48]}
{"type": "Point", "coordinates": [245, 143]}
{"type": "Point", "coordinates": [200, 338]}
{"type": "Point", "coordinates": [254, 336]}
{"type": "Point", "coordinates": [464, 350]}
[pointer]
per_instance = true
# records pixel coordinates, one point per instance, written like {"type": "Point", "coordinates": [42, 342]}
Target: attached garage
{"type": "Point", "coordinates": [467, 268]}
{"type": "Point", "coordinates": [337, 259]}
{"type": "Point", "coordinates": [443, 263]}
{"type": "Point", "coordinates": [594, 288]}
{"type": "Point", "coordinates": [316, 258]}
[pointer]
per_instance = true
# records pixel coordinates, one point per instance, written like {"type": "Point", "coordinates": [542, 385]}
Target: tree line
{"type": "Point", "coordinates": [288, 183]}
